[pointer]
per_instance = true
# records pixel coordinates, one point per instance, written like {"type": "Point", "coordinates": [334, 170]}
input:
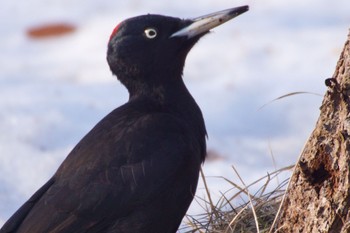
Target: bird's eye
{"type": "Point", "coordinates": [151, 33]}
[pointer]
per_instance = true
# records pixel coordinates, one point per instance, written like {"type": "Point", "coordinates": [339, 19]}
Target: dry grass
{"type": "Point", "coordinates": [256, 214]}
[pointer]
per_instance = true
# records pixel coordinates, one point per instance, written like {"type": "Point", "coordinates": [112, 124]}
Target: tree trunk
{"type": "Point", "coordinates": [318, 196]}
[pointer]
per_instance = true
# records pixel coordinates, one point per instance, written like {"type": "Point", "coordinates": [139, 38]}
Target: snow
{"type": "Point", "coordinates": [53, 91]}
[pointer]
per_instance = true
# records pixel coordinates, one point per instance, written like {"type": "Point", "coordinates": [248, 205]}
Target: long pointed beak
{"type": "Point", "coordinates": [204, 23]}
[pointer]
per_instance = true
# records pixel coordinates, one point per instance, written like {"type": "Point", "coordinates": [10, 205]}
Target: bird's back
{"type": "Point", "coordinates": [135, 171]}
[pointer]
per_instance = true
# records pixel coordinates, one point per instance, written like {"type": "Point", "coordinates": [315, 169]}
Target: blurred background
{"type": "Point", "coordinates": [55, 84]}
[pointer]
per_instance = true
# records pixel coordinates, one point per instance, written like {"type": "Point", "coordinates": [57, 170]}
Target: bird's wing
{"type": "Point", "coordinates": [111, 171]}
{"type": "Point", "coordinates": [17, 218]}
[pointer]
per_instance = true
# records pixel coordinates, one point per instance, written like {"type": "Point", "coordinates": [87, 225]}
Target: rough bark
{"type": "Point", "coordinates": [318, 197]}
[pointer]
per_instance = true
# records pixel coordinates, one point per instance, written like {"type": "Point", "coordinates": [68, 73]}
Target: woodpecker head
{"type": "Point", "coordinates": [151, 48]}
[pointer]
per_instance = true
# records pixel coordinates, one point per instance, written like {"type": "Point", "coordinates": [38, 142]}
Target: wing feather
{"type": "Point", "coordinates": [114, 169]}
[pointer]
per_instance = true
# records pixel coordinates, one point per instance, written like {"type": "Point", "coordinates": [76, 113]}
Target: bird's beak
{"type": "Point", "coordinates": [204, 23]}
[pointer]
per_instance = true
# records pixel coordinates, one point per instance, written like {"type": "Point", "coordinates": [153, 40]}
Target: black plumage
{"type": "Point", "coordinates": [137, 169]}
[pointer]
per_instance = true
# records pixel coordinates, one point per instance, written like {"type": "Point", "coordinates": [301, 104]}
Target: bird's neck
{"type": "Point", "coordinates": [160, 80]}
{"type": "Point", "coordinates": [158, 86]}
{"type": "Point", "coordinates": [162, 97]}
{"type": "Point", "coordinates": [173, 98]}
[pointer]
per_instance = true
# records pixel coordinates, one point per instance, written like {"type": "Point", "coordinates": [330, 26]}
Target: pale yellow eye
{"type": "Point", "coordinates": [151, 33]}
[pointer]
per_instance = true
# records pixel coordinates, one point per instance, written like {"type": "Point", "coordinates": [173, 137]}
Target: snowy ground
{"type": "Point", "coordinates": [53, 91]}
